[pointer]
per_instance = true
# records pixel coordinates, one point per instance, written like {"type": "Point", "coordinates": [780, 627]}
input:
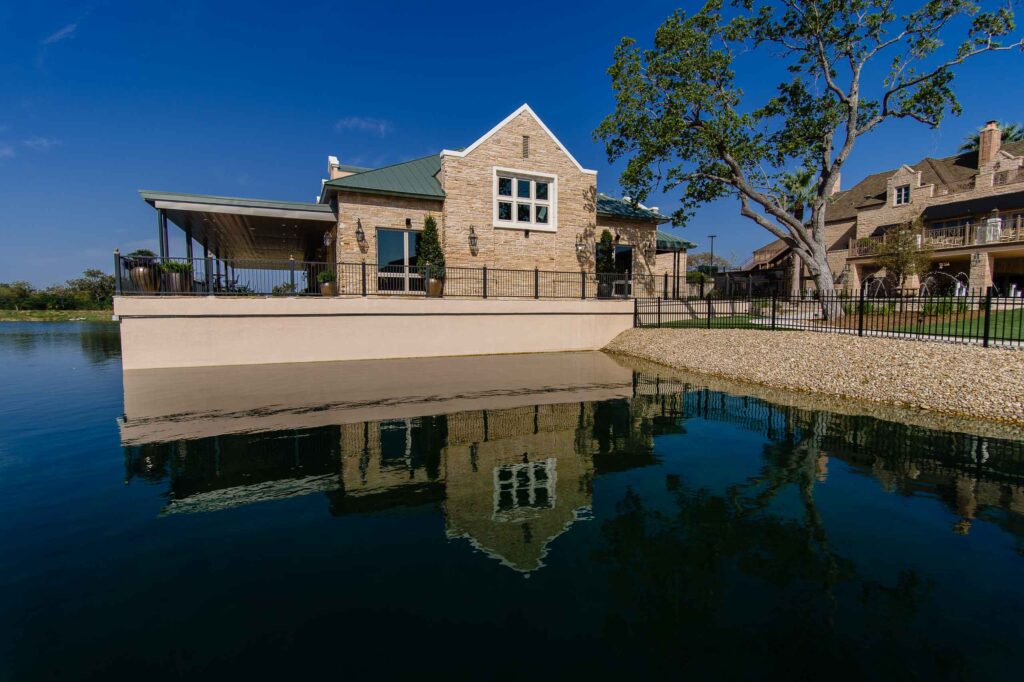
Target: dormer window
{"type": "Point", "coordinates": [902, 195]}
{"type": "Point", "coordinates": [524, 200]}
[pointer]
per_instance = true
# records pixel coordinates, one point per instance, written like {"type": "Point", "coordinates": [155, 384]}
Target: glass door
{"type": "Point", "coordinates": [397, 261]}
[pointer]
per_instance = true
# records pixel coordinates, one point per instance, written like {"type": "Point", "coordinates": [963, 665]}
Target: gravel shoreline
{"type": "Point", "coordinates": [962, 380]}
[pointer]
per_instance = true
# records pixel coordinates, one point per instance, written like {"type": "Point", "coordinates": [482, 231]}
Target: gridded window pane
{"type": "Point", "coordinates": [523, 213]}
{"type": "Point", "coordinates": [542, 191]}
{"type": "Point", "coordinates": [523, 189]}
{"type": "Point", "coordinates": [505, 187]}
{"type": "Point", "coordinates": [504, 210]}
{"type": "Point", "coordinates": [542, 215]}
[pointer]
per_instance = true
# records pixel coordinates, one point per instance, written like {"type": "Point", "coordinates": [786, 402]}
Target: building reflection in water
{"type": "Point", "coordinates": [514, 477]}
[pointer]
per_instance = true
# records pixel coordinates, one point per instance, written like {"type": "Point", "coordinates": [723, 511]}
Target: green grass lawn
{"type": "Point", "coordinates": [1005, 324]}
{"type": "Point", "coordinates": [719, 322]}
{"type": "Point", "coordinates": [55, 315]}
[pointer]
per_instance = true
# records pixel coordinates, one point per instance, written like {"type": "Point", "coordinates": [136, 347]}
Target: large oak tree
{"type": "Point", "coordinates": [682, 120]}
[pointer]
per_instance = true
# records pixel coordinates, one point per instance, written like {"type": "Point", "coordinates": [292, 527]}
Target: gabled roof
{"type": "Point", "coordinates": [416, 178]}
{"type": "Point", "coordinates": [619, 208]}
{"type": "Point", "coordinates": [670, 242]}
{"type": "Point", "coordinates": [524, 108]}
{"type": "Point", "coordinates": [944, 172]}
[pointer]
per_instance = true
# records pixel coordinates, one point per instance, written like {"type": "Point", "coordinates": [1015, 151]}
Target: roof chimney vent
{"type": "Point", "coordinates": [990, 139]}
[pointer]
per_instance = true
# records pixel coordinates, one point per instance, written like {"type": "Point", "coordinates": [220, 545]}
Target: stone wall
{"type": "Point", "coordinates": [469, 185]}
{"type": "Point", "coordinates": [373, 211]}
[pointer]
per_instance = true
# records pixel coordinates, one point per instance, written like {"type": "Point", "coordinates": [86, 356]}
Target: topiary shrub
{"type": "Point", "coordinates": [430, 252]}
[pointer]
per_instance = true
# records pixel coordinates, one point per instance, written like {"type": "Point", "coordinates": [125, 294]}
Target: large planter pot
{"type": "Point", "coordinates": [144, 277]}
{"type": "Point", "coordinates": [177, 282]}
{"type": "Point", "coordinates": [328, 288]}
{"type": "Point", "coordinates": [435, 287]}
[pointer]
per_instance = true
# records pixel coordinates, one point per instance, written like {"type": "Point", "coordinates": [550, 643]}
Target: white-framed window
{"type": "Point", "coordinates": [525, 200]}
{"type": "Point", "coordinates": [525, 487]}
{"type": "Point", "coordinates": [902, 195]}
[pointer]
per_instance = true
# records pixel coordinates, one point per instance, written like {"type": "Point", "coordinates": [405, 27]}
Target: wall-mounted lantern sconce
{"type": "Point", "coordinates": [581, 245]}
{"type": "Point", "coordinates": [328, 238]}
{"type": "Point", "coordinates": [526, 233]}
{"type": "Point", "coordinates": [617, 237]}
{"type": "Point", "coordinates": [472, 238]}
{"type": "Point", "coordinates": [360, 235]}
{"type": "Point", "coordinates": [408, 223]}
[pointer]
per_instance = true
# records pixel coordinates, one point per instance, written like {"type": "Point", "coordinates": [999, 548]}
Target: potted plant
{"type": "Point", "coordinates": [605, 265]}
{"type": "Point", "coordinates": [328, 282]}
{"type": "Point", "coordinates": [431, 254]}
{"type": "Point", "coordinates": [177, 276]}
{"type": "Point", "coordinates": [142, 271]}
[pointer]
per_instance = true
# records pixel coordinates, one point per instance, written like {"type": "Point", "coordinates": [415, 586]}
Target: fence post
{"type": "Point", "coordinates": [291, 273]}
{"type": "Point", "coordinates": [209, 275]}
{"type": "Point", "coordinates": [708, 299]}
{"type": "Point", "coordinates": [362, 288]}
{"type": "Point", "coordinates": [659, 311]}
{"type": "Point", "coordinates": [860, 313]}
{"type": "Point", "coordinates": [536, 283]}
{"type": "Point", "coordinates": [636, 313]}
{"type": "Point", "coordinates": [988, 317]}
{"type": "Point", "coordinates": [775, 296]}
{"type": "Point", "coordinates": [117, 272]}
{"type": "Point", "coordinates": [485, 281]}
{"type": "Point", "coordinates": [664, 287]}
{"type": "Point", "coordinates": [583, 285]}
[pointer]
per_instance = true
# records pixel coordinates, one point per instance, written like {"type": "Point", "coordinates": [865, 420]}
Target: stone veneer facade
{"type": "Point", "coordinates": [521, 143]}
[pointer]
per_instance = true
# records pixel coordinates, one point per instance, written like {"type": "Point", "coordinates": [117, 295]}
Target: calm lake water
{"type": "Point", "coordinates": [515, 518]}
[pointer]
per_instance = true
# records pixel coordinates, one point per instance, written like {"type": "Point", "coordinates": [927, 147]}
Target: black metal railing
{"type": "Point", "coordinates": [154, 276]}
{"type": "Point", "coordinates": [979, 317]}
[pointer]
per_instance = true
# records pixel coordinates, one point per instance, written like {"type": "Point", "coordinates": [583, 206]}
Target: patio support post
{"type": "Point", "coordinates": [117, 272]}
{"type": "Point", "coordinates": [161, 232]}
{"type": "Point", "coordinates": [188, 245]}
{"type": "Point", "coordinates": [209, 271]}
{"type": "Point", "coordinates": [291, 273]}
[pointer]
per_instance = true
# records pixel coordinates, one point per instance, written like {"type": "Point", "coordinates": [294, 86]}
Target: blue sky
{"type": "Point", "coordinates": [101, 99]}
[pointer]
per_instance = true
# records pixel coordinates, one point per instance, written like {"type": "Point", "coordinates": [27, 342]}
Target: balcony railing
{"type": "Point", "coordinates": [968, 234]}
{"type": "Point", "coordinates": [152, 276]}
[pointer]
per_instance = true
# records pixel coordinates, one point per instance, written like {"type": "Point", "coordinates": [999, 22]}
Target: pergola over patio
{"type": "Point", "coordinates": [242, 229]}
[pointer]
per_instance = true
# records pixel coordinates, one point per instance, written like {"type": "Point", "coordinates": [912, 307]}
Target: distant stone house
{"type": "Point", "coordinates": [972, 205]}
{"type": "Point", "coordinates": [514, 199]}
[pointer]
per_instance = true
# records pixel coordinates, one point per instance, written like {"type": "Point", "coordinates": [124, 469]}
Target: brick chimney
{"type": "Point", "coordinates": [334, 169]}
{"type": "Point", "coordinates": [989, 140]}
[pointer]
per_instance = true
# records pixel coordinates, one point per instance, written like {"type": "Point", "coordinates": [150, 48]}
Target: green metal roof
{"type": "Point", "coordinates": [152, 196]}
{"type": "Point", "coordinates": [416, 178]}
{"type": "Point", "coordinates": [617, 208]}
{"type": "Point", "coordinates": [668, 242]}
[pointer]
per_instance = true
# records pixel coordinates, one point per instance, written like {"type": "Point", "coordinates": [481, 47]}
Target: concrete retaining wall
{"type": "Point", "coordinates": [211, 331]}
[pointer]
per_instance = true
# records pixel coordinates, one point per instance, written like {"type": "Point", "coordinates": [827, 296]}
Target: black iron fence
{"type": "Point", "coordinates": [980, 317]}
{"type": "Point", "coordinates": [153, 276]}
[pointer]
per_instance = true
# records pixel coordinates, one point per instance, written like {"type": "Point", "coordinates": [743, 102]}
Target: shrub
{"type": "Point", "coordinates": [933, 308]}
{"type": "Point", "coordinates": [326, 276]}
{"type": "Point", "coordinates": [178, 266]}
{"type": "Point", "coordinates": [283, 289]}
{"type": "Point", "coordinates": [430, 252]}
{"type": "Point", "coordinates": [605, 254]}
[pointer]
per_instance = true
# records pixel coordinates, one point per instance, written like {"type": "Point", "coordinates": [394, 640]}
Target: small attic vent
{"type": "Point", "coordinates": [526, 146]}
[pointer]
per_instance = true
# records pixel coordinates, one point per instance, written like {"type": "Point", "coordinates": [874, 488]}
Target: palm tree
{"type": "Point", "coordinates": [1012, 132]}
{"type": "Point", "coordinates": [799, 189]}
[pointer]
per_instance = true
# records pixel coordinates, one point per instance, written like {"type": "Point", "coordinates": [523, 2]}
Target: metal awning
{"type": "Point", "coordinates": [239, 228]}
{"type": "Point", "coordinates": [970, 207]}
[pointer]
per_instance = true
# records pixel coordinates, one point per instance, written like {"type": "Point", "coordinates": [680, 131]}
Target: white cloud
{"type": "Point", "coordinates": [6, 151]}
{"type": "Point", "coordinates": [378, 126]}
{"type": "Point", "coordinates": [60, 34]}
{"type": "Point", "coordinates": [41, 144]}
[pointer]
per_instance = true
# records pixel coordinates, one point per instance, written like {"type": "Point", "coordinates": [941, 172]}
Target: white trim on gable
{"type": "Point", "coordinates": [524, 108]}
